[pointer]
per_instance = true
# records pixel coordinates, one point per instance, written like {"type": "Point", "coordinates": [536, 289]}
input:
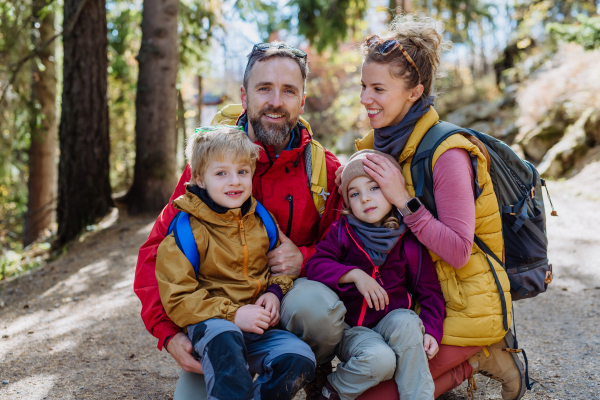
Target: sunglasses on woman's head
{"type": "Point", "coordinates": [263, 47]}
{"type": "Point", "coordinates": [385, 47]}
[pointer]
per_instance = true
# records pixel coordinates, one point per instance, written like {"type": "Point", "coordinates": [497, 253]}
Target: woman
{"type": "Point", "coordinates": [397, 82]}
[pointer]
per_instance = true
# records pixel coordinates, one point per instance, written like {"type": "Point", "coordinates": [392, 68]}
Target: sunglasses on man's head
{"type": "Point", "coordinates": [387, 46]}
{"type": "Point", "coordinates": [263, 47]}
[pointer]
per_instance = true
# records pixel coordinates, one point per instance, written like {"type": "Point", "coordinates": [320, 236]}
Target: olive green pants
{"type": "Point", "coordinates": [311, 311]}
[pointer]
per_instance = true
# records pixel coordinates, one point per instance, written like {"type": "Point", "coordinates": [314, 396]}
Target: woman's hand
{"type": "Point", "coordinates": [389, 178]}
{"type": "Point", "coordinates": [180, 348]}
{"type": "Point", "coordinates": [338, 178]}
{"type": "Point", "coordinates": [430, 345]}
{"type": "Point", "coordinates": [270, 302]}
{"type": "Point", "coordinates": [368, 287]}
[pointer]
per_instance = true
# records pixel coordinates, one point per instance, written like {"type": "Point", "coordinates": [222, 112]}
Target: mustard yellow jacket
{"type": "Point", "coordinates": [233, 264]}
{"type": "Point", "coordinates": [473, 305]}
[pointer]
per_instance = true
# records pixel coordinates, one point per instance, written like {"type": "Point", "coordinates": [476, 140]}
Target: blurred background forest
{"type": "Point", "coordinates": [97, 97]}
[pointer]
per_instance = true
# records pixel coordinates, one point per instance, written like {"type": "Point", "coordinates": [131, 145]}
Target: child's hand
{"type": "Point", "coordinates": [368, 287]}
{"type": "Point", "coordinates": [271, 304]}
{"type": "Point", "coordinates": [252, 318]}
{"type": "Point", "coordinates": [430, 345]}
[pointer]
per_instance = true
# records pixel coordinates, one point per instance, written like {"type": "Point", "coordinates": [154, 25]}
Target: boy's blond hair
{"type": "Point", "coordinates": [219, 143]}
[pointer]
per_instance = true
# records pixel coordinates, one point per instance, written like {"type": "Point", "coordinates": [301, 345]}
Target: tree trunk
{"type": "Point", "coordinates": [200, 102]}
{"type": "Point", "coordinates": [84, 193]}
{"type": "Point", "coordinates": [156, 103]}
{"type": "Point", "coordinates": [42, 151]}
{"type": "Point", "coordinates": [180, 124]}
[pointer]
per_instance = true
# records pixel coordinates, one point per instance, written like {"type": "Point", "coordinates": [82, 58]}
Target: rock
{"type": "Point", "coordinates": [539, 140]}
{"type": "Point", "coordinates": [345, 144]}
{"type": "Point", "coordinates": [465, 116]}
{"type": "Point", "coordinates": [563, 155]}
{"type": "Point", "coordinates": [5, 382]}
{"type": "Point", "coordinates": [507, 131]}
{"type": "Point", "coordinates": [592, 127]}
{"type": "Point", "coordinates": [483, 126]}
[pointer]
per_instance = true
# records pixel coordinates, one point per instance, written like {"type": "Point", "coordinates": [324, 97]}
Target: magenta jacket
{"type": "Point", "coordinates": [341, 251]}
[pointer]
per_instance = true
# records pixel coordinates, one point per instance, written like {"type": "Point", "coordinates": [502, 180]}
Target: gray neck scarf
{"type": "Point", "coordinates": [392, 139]}
{"type": "Point", "coordinates": [378, 241]}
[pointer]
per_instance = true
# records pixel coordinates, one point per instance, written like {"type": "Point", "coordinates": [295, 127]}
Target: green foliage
{"type": "Point", "coordinates": [18, 116]}
{"type": "Point", "coordinates": [325, 23]}
{"type": "Point", "coordinates": [198, 20]}
{"type": "Point", "coordinates": [585, 32]}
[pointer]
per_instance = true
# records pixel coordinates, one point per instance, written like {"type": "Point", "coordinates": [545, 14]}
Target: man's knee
{"type": "Point", "coordinates": [314, 304]}
{"type": "Point", "coordinates": [291, 372]}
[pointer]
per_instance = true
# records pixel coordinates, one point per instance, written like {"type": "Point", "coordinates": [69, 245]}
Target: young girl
{"type": "Point", "coordinates": [378, 269]}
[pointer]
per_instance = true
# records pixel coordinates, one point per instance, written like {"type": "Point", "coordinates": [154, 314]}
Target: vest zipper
{"type": "Point", "coordinates": [290, 200]}
{"type": "Point", "coordinates": [245, 265]}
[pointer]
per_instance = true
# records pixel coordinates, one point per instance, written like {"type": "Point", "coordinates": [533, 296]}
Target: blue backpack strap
{"type": "Point", "coordinates": [270, 225]}
{"type": "Point", "coordinates": [182, 231]}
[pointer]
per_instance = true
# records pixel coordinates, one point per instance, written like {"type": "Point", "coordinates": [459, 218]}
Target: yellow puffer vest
{"type": "Point", "coordinates": [473, 306]}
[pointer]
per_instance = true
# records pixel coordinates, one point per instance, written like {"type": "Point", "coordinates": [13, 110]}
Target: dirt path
{"type": "Point", "coordinates": [71, 330]}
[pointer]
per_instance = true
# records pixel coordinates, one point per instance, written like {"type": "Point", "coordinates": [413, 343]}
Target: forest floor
{"type": "Point", "coordinates": [72, 330]}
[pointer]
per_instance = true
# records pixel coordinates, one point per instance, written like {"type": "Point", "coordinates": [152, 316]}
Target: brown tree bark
{"type": "Point", "coordinates": [155, 172]}
{"type": "Point", "coordinates": [42, 151]}
{"type": "Point", "coordinates": [84, 192]}
{"type": "Point", "coordinates": [200, 102]}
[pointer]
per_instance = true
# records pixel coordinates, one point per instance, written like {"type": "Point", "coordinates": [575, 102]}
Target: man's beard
{"type": "Point", "coordinates": [271, 134]}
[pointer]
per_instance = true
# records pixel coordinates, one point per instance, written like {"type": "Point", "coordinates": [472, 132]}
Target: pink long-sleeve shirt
{"type": "Point", "coordinates": [450, 237]}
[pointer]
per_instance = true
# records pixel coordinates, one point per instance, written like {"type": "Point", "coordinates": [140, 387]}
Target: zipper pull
{"type": "Point", "coordinates": [378, 276]}
{"type": "Point", "coordinates": [553, 213]}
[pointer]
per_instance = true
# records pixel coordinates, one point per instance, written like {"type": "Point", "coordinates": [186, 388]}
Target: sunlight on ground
{"type": "Point", "coordinates": [145, 231]}
{"type": "Point", "coordinates": [78, 282]}
{"type": "Point", "coordinates": [80, 316]}
{"type": "Point", "coordinates": [34, 387]}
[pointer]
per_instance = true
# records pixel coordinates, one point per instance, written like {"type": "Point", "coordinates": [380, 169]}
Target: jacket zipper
{"type": "Point", "coordinates": [290, 200]}
{"type": "Point", "coordinates": [245, 265]}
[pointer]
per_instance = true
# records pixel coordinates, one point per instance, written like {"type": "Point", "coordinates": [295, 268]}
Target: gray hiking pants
{"type": "Point", "coordinates": [392, 349]}
{"type": "Point", "coordinates": [311, 311]}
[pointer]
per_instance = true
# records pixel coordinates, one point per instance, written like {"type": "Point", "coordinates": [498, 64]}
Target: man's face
{"type": "Point", "coordinates": [274, 99]}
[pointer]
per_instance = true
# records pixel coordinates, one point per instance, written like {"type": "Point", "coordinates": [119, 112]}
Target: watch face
{"type": "Point", "coordinates": [413, 205]}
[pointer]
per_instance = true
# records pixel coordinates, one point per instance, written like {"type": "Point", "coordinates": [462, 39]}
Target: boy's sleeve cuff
{"type": "Point", "coordinates": [276, 290]}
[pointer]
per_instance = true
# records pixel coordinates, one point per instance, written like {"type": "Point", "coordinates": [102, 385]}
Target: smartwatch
{"type": "Point", "coordinates": [411, 207]}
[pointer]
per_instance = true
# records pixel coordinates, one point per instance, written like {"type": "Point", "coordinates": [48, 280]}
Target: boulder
{"type": "Point", "coordinates": [592, 128]}
{"type": "Point", "coordinates": [539, 140]}
{"type": "Point", "coordinates": [483, 126]}
{"type": "Point", "coordinates": [564, 154]}
{"type": "Point", "coordinates": [465, 116]}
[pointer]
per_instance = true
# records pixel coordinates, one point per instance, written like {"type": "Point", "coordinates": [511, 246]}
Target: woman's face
{"type": "Point", "coordinates": [385, 97]}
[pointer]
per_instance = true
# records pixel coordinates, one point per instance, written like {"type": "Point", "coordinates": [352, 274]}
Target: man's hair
{"type": "Point", "coordinates": [273, 52]}
{"type": "Point", "coordinates": [220, 144]}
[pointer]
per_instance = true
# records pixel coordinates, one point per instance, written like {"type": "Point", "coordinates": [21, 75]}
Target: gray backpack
{"type": "Point", "coordinates": [518, 188]}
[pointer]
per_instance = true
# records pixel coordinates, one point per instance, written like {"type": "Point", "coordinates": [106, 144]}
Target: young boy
{"type": "Point", "coordinates": [229, 306]}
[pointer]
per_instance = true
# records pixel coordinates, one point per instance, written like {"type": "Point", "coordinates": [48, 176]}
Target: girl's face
{"type": "Point", "coordinates": [385, 97]}
{"type": "Point", "coordinates": [367, 201]}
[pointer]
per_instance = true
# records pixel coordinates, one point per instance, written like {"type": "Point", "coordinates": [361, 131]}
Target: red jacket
{"type": "Point", "coordinates": [280, 184]}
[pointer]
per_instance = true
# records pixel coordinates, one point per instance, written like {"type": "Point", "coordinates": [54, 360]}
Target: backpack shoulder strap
{"type": "Point", "coordinates": [316, 170]}
{"type": "Point", "coordinates": [182, 231]}
{"type": "Point", "coordinates": [421, 167]}
{"type": "Point", "coordinates": [270, 225]}
{"type": "Point", "coordinates": [228, 115]}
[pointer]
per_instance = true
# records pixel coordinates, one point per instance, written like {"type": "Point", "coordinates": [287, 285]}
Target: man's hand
{"type": "Point", "coordinates": [180, 348]}
{"type": "Point", "coordinates": [252, 318]}
{"type": "Point", "coordinates": [338, 178]}
{"type": "Point", "coordinates": [285, 259]}
{"type": "Point", "coordinates": [389, 178]}
{"type": "Point", "coordinates": [430, 345]}
{"type": "Point", "coordinates": [271, 304]}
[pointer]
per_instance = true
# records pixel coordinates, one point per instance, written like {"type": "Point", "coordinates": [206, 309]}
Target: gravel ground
{"type": "Point", "coordinates": [71, 330]}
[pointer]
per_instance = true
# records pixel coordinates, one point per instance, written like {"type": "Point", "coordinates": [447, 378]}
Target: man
{"type": "Point", "coordinates": [273, 99]}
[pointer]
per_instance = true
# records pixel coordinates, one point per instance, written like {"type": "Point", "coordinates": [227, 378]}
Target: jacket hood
{"type": "Point", "coordinates": [193, 205]}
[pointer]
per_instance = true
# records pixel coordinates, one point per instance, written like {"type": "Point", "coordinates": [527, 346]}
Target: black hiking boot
{"type": "Point", "coordinates": [315, 387]}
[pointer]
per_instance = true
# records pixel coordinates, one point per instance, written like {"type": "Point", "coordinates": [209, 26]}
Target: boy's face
{"type": "Point", "coordinates": [367, 202]}
{"type": "Point", "coordinates": [228, 182]}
